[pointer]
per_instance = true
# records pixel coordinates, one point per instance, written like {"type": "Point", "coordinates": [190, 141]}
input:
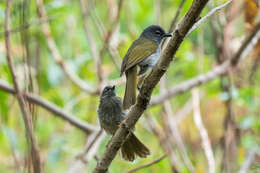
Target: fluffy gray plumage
{"type": "Point", "coordinates": [110, 114]}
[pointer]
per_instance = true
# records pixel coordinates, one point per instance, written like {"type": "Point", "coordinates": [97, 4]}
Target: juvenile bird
{"type": "Point", "coordinates": [110, 114]}
{"type": "Point", "coordinates": [144, 52]}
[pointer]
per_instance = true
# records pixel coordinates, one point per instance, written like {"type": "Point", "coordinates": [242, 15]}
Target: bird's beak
{"type": "Point", "coordinates": [167, 35]}
{"type": "Point", "coordinates": [113, 87]}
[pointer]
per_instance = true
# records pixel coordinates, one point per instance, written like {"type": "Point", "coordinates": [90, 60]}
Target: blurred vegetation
{"type": "Point", "coordinates": [60, 142]}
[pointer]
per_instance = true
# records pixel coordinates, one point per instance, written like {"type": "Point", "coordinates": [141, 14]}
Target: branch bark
{"type": "Point", "coordinates": [35, 155]}
{"type": "Point", "coordinates": [149, 84]}
{"type": "Point", "coordinates": [35, 99]}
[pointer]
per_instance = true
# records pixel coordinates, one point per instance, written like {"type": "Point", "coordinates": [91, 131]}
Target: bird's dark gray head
{"type": "Point", "coordinates": [108, 91]}
{"type": "Point", "coordinates": [155, 33]}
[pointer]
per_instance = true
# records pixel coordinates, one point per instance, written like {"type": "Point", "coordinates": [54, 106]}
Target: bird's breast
{"type": "Point", "coordinates": [152, 59]}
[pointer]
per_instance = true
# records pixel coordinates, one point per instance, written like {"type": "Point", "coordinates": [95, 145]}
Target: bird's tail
{"type": "Point", "coordinates": [133, 147]}
{"type": "Point", "coordinates": [130, 90]}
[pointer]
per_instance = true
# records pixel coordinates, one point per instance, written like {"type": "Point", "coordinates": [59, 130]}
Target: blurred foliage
{"type": "Point", "coordinates": [59, 142]}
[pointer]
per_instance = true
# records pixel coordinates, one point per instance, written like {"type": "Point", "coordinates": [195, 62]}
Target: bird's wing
{"type": "Point", "coordinates": [140, 49]}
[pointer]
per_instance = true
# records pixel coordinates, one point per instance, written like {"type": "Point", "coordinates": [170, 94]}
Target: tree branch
{"type": "Point", "coordinates": [172, 126]}
{"type": "Point", "coordinates": [148, 164]}
{"type": "Point", "coordinates": [149, 84]}
{"type": "Point", "coordinates": [36, 160]}
{"type": "Point", "coordinates": [57, 56]}
{"type": "Point", "coordinates": [213, 11]}
{"type": "Point", "coordinates": [93, 47]}
{"type": "Point", "coordinates": [35, 99]}
{"type": "Point", "coordinates": [206, 145]}
{"type": "Point", "coordinates": [248, 161]}
{"type": "Point", "coordinates": [174, 21]}
{"type": "Point", "coordinates": [90, 151]}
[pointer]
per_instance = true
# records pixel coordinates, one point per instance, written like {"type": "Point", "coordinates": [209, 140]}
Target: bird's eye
{"type": "Point", "coordinates": [157, 32]}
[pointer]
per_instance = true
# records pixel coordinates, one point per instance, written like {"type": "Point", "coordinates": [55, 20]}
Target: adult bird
{"type": "Point", "coordinates": [143, 53]}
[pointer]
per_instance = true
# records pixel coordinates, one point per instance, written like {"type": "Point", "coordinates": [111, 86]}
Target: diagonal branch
{"type": "Point", "coordinates": [206, 145]}
{"type": "Point", "coordinates": [250, 156]}
{"type": "Point", "coordinates": [90, 151]}
{"type": "Point", "coordinates": [36, 160]}
{"type": "Point", "coordinates": [35, 99]}
{"type": "Point", "coordinates": [149, 84]}
{"type": "Point", "coordinates": [174, 21]}
{"type": "Point", "coordinates": [171, 124]}
{"type": "Point", "coordinates": [56, 54]}
{"type": "Point", "coordinates": [148, 164]}
{"type": "Point", "coordinates": [213, 11]}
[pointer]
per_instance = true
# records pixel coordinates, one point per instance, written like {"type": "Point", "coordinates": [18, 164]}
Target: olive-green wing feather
{"type": "Point", "coordinates": [140, 49]}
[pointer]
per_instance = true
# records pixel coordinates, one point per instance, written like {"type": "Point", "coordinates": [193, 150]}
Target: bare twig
{"type": "Point", "coordinates": [24, 109]}
{"type": "Point", "coordinates": [164, 142]}
{"type": "Point", "coordinates": [200, 21]}
{"type": "Point", "coordinates": [157, 4]}
{"type": "Point", "coordinates": [35, 99]}
{"type": "Point", "coordinates": [171, 124]}
{"type": "Point", "coordinates": [248, 161]}
{"type": "Point", "coordinates": [92, 44]}
{"type": "Point", "coordinates": [202, 130]}
{"type": "Point", "coordinates": [28, 25]}
{"type": "Point", "coordinates": [244, 49]}
{"type": "Point", "coordinates": [174, 21]}
{"type": "Point", "coordinates": [90, 151]}
{"type": "Point", "coordinates": [148, 164]}
{"type": "Point", "coordinates": [185, 110]}
{"type": "Point", "coordinates": [214, 10]}
{"type": "Point", "coordinates": [114, 55]}
{"type": "Point", "coordinates": [149, 84]}
{"type": "Point", "coordinates": [57, 56]}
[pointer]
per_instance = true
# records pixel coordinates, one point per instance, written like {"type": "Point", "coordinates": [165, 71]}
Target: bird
{"type": "Point", "coordinates": [143, 53]}
{"type": "Point", "coordinates": [110, 115]}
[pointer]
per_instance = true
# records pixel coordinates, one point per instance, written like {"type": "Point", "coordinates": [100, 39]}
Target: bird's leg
{"type": "Point", "coordinates": [140, 82]}
{"type": "Point", "coordinates": [108, 143]}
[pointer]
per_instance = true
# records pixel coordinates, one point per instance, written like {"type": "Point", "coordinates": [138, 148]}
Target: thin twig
{"type": "Point", "coordinates": [114, 54]}
{"type": "Point", "coordinates": [164, 142]}
{"type": "Point", "coordinates": [90, 151]}
{"type": "Point", "coordinates": [148, 164]}
{"type": "Point", "coordinates": [200, 21]}
{"type": "Point", "coordinates": [203, 132]}
{"type": "Point", "coordinates": [26, 26]}
{"type": "Point", "coordinates": [171, 124]}
{"type": "Point", "coordinates": [93, 47]}
{"type": "Point", "coordinates": [24, 109]}
{"type": "Point", "coordinates": [174, 21]}
{"type": "Point", "coordinates": [213, 11]}
{"type": "Point", "coordinates": [157, 4]}
{"type": "Point", "coordinates": [248, 161]}
{"type": "Point", "coordinates": [35, 99]}
{"type": "Point", "coordinates": [57, 56]}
